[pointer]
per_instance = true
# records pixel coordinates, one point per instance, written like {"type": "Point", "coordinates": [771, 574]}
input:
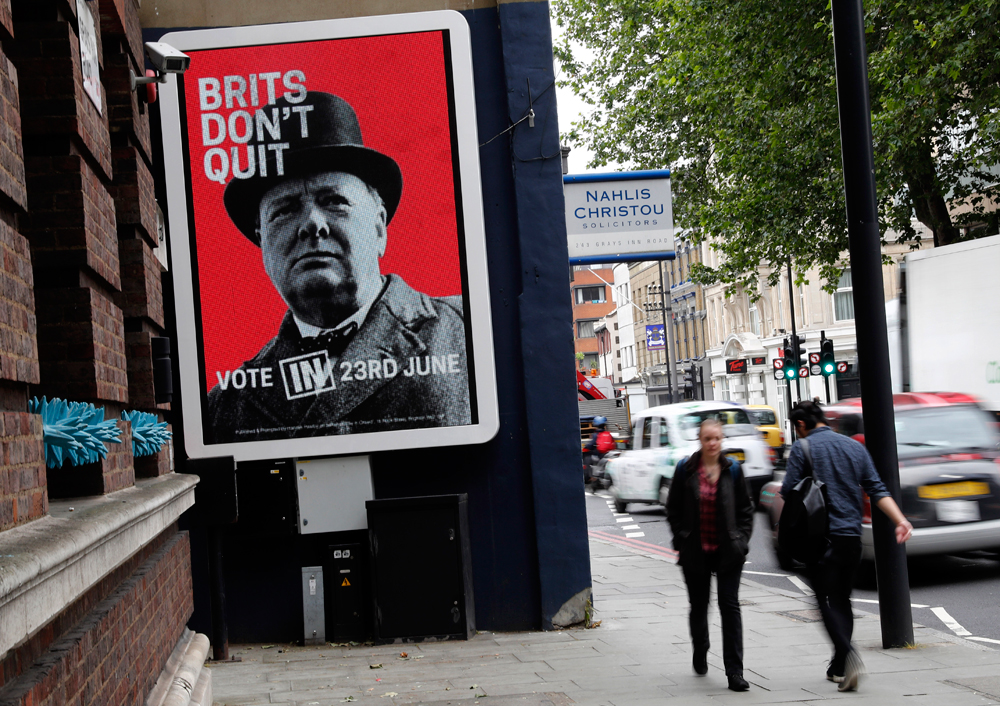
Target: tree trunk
{"type": "Point", "coordinates": [928, 200]}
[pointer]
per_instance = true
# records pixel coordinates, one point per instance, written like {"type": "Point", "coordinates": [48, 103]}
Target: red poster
{"type": "Point", "coordinates": [329, 235]}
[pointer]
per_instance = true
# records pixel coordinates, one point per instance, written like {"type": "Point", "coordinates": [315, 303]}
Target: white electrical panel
{"type": "Point", "coordinates": [332, 493]}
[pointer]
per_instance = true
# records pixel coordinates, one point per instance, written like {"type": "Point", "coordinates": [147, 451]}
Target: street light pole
{"type": "Point", "coordinates": [667, 334]}
{"type": "Point", "coordinates": [869, 309]}
{"type": "Point", "coordinates": [795, 337]}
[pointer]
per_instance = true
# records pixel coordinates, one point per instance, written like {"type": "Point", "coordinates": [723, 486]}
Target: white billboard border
{"type": "Point", "coordinates": [463, 84]}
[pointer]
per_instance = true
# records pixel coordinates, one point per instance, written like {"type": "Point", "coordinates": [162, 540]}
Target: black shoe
{"type": "Point", "coordinates": [737, 682]}
{"type": "Point", "coordinates": [700, 662]}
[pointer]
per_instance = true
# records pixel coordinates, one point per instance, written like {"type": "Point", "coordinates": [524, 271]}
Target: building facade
{"type": "Point", "coordinates": [529, 547]}
{"type": "Point", "coordinates": [591, 295]}
{"type": "Point", "coordinates": [97, 588]}
{"type": "Point", "coordinates": [739, 327]}
{"type": "Point", "coordinates": [664, 294]}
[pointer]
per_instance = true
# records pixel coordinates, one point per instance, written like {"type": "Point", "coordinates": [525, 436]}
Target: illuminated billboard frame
{"type": "Point", "coordinates": [450, 196]}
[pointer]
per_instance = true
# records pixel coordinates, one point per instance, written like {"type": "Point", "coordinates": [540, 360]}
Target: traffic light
{"type": "Point", "coordinates": [826, 362]}
{"type": "Point", "coordinates": [791, 363]}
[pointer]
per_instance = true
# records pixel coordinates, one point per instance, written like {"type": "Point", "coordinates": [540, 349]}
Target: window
{"type": "Point", "coordinates": [590, 295]}
{"type": "Point", "coordinates": [661, 431]}
{"type": "Point", "coordinates": [647, 431]}
{"type": "Point", "coordinates": [585, 329]}
{"type": "Point", "coordinates": [762, 417]}
{"type": "Point", "coordinates": [843, 299]}
{"type": "Point", "coordinates": [754, 319]}
{"type": "Point", "coordinates": [690, 424]}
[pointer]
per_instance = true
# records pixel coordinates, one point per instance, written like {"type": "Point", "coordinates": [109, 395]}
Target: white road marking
{"type": "Point", "coordinates": [628, 527]}
{"type": "Point", "coordinates": [950, 622]}
{"type": "Point", "coordinates": [763, 573]}
{"type": "Point", "coordinates": [619, 514]}
{"type": "Point", "coordinates": [801, 585]}
{"type": "Point", "coordinates": [985, 639]}
{"type": "Point", "coordinates": [624, 519]}
{"type": "Point", "coordinates": [635, 534]}
{"type": "Point", "coordinates": [871, 600]}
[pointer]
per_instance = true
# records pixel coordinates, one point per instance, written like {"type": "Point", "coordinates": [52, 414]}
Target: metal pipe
{"type": "Point", "coordinates": [869, 309]}
{"type": "Point", "coordinates": [220, 629]}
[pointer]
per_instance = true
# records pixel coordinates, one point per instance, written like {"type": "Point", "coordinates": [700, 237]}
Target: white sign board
{"type": "Point", "coordinates": [327, 238]}
{"type": "Point", "coordinates": [89, 63]}
{"type": "Point", "coordinates": [619, 217]}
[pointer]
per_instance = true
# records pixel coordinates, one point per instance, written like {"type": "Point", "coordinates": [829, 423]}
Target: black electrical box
{"type": "Point", "coordinates": [265, 492]}
{"type": "Point", "coordinates": [421, 568]}
{"type": "Point", "coordinates": [215, 494]}
{"type": "Point", "coordinates": [347, 594]}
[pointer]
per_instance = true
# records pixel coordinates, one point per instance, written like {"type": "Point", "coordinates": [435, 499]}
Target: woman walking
{"type": "Point", "coordinates": [711, 518]}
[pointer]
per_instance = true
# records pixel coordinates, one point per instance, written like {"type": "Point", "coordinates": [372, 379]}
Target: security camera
{"type": "Point", "coordinates": [166, 59]}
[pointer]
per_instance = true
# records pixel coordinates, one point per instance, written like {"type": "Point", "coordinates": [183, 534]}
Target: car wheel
{"type": "Point", "coordinates": [619, 504]}
{"type": "Point", "coordinates": [664, 491]}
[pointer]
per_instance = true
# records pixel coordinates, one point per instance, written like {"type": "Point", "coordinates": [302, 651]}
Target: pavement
{"type": "Point", "coordinates": [638, 654]}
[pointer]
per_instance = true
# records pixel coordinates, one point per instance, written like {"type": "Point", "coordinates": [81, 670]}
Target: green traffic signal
{"type": "Point", "coordinates": [827, 362]}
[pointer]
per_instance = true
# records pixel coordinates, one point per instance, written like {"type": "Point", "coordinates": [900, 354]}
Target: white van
{"type": "Point", "coordinates": [662, 436]}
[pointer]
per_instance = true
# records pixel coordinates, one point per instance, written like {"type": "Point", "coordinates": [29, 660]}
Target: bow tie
{"type": "Point", "coordinates": [333, 341]}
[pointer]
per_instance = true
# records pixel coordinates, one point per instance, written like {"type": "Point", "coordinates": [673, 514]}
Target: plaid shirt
{"type": "Point", "coordinates": [709, 518]}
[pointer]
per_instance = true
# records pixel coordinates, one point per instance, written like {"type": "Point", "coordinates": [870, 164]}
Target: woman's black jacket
{"type": "Point", "coordinates": [734, 512]}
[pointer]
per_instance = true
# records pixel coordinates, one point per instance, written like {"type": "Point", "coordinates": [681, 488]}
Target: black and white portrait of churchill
{"type": "Point", "coordinates": [357, 350]}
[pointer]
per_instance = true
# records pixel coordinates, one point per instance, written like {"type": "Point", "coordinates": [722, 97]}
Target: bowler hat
{"type": "Point", "coordinates": [329, 140]}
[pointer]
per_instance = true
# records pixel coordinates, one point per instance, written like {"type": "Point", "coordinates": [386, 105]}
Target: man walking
{"type": "Point", "coordinates": [846, 468]}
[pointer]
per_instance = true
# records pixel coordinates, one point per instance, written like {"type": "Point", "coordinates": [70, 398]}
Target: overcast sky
{"type": "Point", "coordinates": [570, 109]}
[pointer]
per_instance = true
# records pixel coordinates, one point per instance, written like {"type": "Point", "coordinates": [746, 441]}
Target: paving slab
{"type": "Point", "coordinates": [639, 655]}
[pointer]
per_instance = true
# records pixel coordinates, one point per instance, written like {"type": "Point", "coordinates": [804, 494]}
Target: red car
{"type": "Point", "coordinates": [949, 472]}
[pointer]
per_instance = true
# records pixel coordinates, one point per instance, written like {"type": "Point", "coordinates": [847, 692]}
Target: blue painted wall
{"type": "Point", "coordinates": [526, 505]}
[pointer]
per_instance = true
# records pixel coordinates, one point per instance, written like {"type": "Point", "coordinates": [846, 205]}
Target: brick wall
{"type": "Point", "coordinates": [110, 646]}
{"type": "Point", "coordinates": [80, 297]}
{"type": "Point", "coordinates": [11, 152]}
{"type": "Point", "coordinates": [22, 469]}
{"type": "Point", "coordinates": [81, 337]}
{"type": "Point", "coordinates": [18, 344]}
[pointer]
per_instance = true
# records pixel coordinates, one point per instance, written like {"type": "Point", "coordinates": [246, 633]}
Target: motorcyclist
{"type": "Point", "coordinates": [599, 444]}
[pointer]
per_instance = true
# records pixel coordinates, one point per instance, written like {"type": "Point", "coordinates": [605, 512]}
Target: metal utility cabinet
{"type": "Point", "coordinates": [421, 568]}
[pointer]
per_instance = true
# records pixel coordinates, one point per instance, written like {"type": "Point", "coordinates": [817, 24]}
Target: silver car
{"type": "Point", "coordinates": [662, 436]}
{"type": "Point", "coordinates": [949, 473]}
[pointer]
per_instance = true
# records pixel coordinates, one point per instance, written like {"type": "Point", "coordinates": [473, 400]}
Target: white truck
{"type": "Point", "coordinates": [944, 330]}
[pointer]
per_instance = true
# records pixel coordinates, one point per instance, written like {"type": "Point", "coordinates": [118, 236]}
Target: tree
{"type": "Point", "coordinates": [738, 98]}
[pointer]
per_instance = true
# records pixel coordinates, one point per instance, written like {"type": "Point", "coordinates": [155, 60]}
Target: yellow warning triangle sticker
{"type": "Point", "coordinates": [346, 583]}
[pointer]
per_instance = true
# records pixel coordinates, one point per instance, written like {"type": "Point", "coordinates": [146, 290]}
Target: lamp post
{"type": "Point", "coordinates": [664, 308]}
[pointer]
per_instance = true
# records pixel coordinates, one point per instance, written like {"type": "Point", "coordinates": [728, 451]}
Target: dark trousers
{"type": "Point", "coordinates": [832, 580]}
{"type": "Point", "coordinates": [698, 577]}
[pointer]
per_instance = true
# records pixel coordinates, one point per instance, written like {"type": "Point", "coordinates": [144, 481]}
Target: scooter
{"type": "Point", "coordinates": [598, 472]}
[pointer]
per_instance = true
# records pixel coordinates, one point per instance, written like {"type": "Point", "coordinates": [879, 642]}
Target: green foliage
{"type": "Point", "coordinates": [738, 98]}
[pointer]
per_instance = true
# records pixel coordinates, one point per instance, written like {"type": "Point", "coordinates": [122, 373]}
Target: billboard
{"type": "Point", "coordinates": [655, 338]}
{"type": "Point", "coordinates": [327, 238]}
{"type": "Point", "coordinates": [619, 217]}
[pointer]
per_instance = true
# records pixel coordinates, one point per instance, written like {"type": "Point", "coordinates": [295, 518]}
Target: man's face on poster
{"type": "Point", "coordinates": [321, 237]}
